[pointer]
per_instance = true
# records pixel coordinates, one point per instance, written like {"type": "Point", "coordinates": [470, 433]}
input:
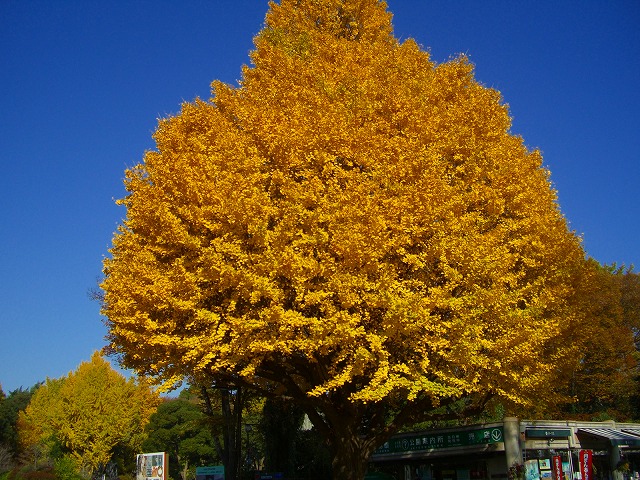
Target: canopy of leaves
{"type": "Point", "coordinates": [353, 226]}
{"type": "Point", "coordinates": [88, 414]}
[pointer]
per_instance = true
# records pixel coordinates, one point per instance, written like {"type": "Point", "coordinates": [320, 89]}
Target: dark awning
{"type": "Point", "coordinates": [614, 436]}
{"type": "Point", "coordinates": [632, 431]}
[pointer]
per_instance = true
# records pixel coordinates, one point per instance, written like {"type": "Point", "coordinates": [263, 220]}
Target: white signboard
{"type": "Point", "coordinates": [152, 466]}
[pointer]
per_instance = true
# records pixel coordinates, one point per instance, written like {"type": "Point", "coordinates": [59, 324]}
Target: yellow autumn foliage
{"type": "Point", "coordinates": [88, 415]}
{"type": "Point", "coordinates": [352, 224]}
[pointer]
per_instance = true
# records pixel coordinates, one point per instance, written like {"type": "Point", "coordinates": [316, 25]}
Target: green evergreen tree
{"type": "Point", "coordinates": [10, 406]}
{"type": "Point", "coordinates": [179, 428]}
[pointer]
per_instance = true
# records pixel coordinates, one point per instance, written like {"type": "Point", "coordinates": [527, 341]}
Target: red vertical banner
{"type": "Point", "coordinates": [557, 467]}
{"type": "Point", "coordinates": [586, 468]}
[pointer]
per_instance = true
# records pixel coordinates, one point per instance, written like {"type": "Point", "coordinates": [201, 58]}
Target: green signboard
{"type": "Point", "coordinates": [547, 432]}
{"type": "Point", "coordinates": [429, 441]}
{"type": "Point", "coordinates": [215, 472]}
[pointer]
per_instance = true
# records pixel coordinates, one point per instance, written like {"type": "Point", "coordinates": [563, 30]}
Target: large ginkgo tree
{"type": "Point", "coordinates": [352, 227]}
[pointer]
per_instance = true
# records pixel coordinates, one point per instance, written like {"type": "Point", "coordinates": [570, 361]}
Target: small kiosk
{"type": "Point", "coordinates": [513, 448]}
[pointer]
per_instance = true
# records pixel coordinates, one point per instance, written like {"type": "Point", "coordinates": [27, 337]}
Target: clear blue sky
{"type": "Point", "coordinates": [83, 82]}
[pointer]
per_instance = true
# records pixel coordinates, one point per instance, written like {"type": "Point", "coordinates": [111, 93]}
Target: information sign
{"type": "Point", "coordinates": [215, 472]}
{"type": "Point", "coordinates": [547, 432]}
{"type": "Point", "coordinates": [426, 441]}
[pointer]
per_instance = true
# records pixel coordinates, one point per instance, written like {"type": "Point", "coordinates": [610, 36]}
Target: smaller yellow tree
{"type": "Point", "coordinates": [88, 414]}
{"type": "Point", "coordinates": [35, 425]}
{"type": "Point", "coordinates": [603, 377]}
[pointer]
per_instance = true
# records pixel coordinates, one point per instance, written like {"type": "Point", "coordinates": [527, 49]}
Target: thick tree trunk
{"type": "Point", "coordinates": [350, 456]}
{"type": "Point", "coordinates": [231, 411]}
